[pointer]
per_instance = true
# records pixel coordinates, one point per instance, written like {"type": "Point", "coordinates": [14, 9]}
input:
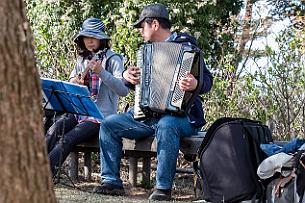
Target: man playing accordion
{"type": "Point", "coordinates": [154, 26]}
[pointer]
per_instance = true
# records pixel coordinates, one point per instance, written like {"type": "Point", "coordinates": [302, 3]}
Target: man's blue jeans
{"type": "Point", "coordinates": [168, 130]}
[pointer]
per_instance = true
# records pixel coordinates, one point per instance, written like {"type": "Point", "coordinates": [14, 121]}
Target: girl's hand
{"type": "Point", "coordinates": [96, 66]}
{"type": "Point", "coordinates": [77, 80]}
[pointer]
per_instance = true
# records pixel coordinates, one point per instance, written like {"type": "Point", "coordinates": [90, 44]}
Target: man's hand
{"type": "Point", "coordinates": [132, 75]}
{"type": "Point", "coordinates": [188, 82]}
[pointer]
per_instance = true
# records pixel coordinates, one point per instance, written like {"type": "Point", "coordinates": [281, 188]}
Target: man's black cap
{"type": "Point", "coordinates": [152, 11]}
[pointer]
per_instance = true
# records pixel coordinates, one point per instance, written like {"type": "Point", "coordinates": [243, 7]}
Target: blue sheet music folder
{"type": "Point", "coordinates": [68, 97]}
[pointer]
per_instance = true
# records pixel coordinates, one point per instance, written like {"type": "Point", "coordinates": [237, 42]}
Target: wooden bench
{"type": "Point", "coordinates": [133, 150]}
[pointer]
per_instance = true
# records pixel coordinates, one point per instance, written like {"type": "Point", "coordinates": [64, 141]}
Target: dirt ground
{"type": "Point", "coordinates": [182, 191]}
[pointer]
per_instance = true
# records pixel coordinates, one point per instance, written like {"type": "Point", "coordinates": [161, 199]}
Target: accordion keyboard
{"type": "Point", "coordinates": [138, 113]}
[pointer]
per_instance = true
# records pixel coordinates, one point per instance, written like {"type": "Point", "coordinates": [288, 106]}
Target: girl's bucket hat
{"type": "Point", "coordinates": [92, 27]}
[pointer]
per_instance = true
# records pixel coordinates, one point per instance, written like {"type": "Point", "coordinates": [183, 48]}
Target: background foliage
{"type": "Point", "coordinates": [224, 34]}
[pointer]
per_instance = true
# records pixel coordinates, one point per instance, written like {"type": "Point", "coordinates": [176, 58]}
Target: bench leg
{"type": "Point", "coordinates": [73, 165]}
{"type": "Point", "coordinates": [146, 172]}
{"type": "Point", "coordinates": [133, 169]}
{"type": "Point", "coordinates": [87, 165]}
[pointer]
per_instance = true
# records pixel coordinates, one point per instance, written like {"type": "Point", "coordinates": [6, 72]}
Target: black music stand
{"type": "Point", "coordinates": [66, 97]}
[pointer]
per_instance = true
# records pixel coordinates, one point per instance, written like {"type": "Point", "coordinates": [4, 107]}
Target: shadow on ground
{"type": "Point", "coordinates": [82, 193]}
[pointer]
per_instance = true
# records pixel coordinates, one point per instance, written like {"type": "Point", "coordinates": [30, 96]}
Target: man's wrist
{"type": "Point", "coordinates": [123, 75]}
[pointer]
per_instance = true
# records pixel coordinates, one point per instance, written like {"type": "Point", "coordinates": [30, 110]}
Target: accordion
{"type": "Point", "coordinates": [161, 65]}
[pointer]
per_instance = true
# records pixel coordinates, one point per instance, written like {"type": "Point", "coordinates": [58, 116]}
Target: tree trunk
{"type": "Point", "coordinates": [240, 50]}
{"type": "Point", "coordinates": [246, 28]}
{"type": "Point", "coordinates": [24, 168]}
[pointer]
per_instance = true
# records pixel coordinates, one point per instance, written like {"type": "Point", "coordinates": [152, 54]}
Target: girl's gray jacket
{"type": "Point", "coordinates": [111, 84]}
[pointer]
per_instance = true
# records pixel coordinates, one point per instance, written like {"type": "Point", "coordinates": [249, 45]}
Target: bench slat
{"type": "Point", "coordinates": [146, 145]}
{"type": "Point", "coordinates": [134, 149]}
{"type": "Point", "coordinates": [190, 145]}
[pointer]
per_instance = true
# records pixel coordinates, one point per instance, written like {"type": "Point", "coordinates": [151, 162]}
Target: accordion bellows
{"type": "Point", "coordinates": [162, 64]}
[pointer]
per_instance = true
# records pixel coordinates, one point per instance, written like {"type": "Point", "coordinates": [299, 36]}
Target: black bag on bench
{"type": "Point", "coordinates": [228, 159]}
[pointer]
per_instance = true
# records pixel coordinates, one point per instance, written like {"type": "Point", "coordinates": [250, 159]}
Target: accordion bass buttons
{"type": "Point", "coordinates": [176, 73]}
{"type": "Point", "coordinates": [184, 67]}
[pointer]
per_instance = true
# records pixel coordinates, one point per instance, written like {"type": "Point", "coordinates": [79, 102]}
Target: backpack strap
{"type": "Point", "coordinates": [205, 191]}
{"type": "Point", "coordinates": [186, 38]}
{"type": "Point", "coordinates": [108, 55]}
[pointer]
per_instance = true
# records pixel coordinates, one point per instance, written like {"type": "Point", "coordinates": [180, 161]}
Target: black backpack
{"type": "Point", "coordinates": [228, 159]}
